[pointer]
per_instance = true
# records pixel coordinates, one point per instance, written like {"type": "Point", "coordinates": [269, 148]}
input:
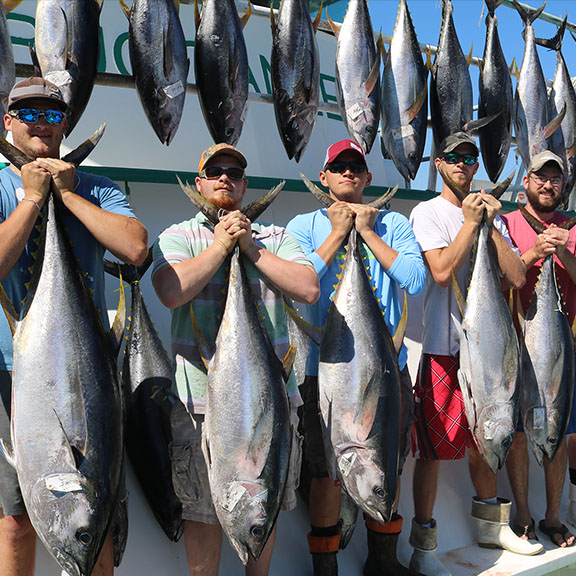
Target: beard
{"type": "Point", "coordinates": [550, 206]}
{"type": "Point", "coordinates": [224, 202]}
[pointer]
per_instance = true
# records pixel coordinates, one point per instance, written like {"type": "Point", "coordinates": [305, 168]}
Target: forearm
{"type": "Point", "coordinates": [179, 283]}
{"type": "Point", "coordinates": [327, 251]}
{"type": "Point", "coordinates": [383, 253]}
{"type": "Point", "coordinates": [511, 265]}
{"type": "Point", "coordinates": [569, 261]}
{"type": "Point", "coordinates": [123, 236]}
{"type": "Point", "coordinates": [14, 234]}
{"type": "Point", "coordinates": [297, 281]}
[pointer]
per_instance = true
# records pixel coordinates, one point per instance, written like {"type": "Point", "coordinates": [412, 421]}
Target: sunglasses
{"type": "Point", "coordinates": [214, 172]}
{"type": "Point", "coordinates": [455, 158]}
{"type": "Point", "coordinates": [341, 167]}
{"type": "Point", "coordinates": [31, 115]}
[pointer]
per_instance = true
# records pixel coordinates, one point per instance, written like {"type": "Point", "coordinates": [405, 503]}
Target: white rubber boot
{"type": "Point", "coordinates": [494, 531]}
{"type": "Point", "coordinates": [571, 516]}
{"type": "Point", "coordinates": [424, 559]}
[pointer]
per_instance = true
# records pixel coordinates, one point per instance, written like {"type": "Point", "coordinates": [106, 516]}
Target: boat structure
{"type": "Point", "coordinates": [131, 155]}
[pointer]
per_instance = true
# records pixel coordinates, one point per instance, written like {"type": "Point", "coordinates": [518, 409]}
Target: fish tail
{"type": "Point", "coordinates": [554, 43]}
{"type": "Point", "coordinates": [528, 16]}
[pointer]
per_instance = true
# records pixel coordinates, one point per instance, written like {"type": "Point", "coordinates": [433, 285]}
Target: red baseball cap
{"type": "Point", "coordinates": [336, 149]}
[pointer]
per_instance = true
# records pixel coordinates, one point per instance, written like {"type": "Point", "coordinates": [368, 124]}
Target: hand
{"type": "Point", "coordinates": [492, 206]}
{"type": "Point", "coordinates": [473, 209]}
{"type": "Point", "coordinates": [228, 231]}
{"type": "Point", "coordinates": [365, 217]}
{"type": "Point", "coordinates": [556, 238]}
{"type": "Point", "coordinates": [36, 182]}
{"type": "Point", "coordinates": [62, 176]}
{"type": "Point", "coordinates": [341, 217]}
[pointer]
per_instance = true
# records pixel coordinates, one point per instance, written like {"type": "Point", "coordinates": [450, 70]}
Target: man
{"type": "Point", "coordinates": [445, 228]}
{"type": "Point", "coordinates": [394, 260]}
{"type": "Point", "coordinates": [544, 184]}
{"type": "Point", "coordinates": [97, 217]}
{"type": "Point", "coordinates": [190, 271]}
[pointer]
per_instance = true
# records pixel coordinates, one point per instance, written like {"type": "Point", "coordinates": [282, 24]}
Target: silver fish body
{"type": "Point", "coordinates": [359, 392]}
{"type": "Point", "coordinates": [404, 98]}
{"type": "Point", "coordinates": [357, 90]}
{"type": "Point", "coordinates": [247, 428]}
{"type": "Point", "coordinates": [489, 359]}
{"type": "Point", "coordinates": [496, 97]}
{"type": "Point", "coordinates": [348, 518]}
{"type": "Point", "coordinates": [68, 454]}
{"type": "Point", "coordinates": [531, 100]}
{"type": "Point", "coordinates": [451, 98]}
{"type": "Point", "coordinates": [221, 64]}
{"type": "Point", "coordinates": [295, 75]}
{"type": "Point", "coordinates": [67, 45]}
{"type": "Point", "coordinates": [547, 367]}
{"type": "Point", "coordinates": [159, 64]}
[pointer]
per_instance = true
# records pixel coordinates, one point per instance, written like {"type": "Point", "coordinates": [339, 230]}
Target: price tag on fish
{"type": "Point", "coordinates": [346, 463]}
{"type": "Point", "coordinates": [233, 496]}
{"type": "Point", "coordinates": [538, 418]}
{"type": "Point", "coordinates": [64, 483]}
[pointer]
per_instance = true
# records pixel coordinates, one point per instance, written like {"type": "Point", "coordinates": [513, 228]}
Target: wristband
{"type": "Point", "coordinates": [33, 202]}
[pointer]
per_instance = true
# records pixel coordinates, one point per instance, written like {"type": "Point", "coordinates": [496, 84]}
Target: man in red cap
{"type": "Point", "coordinates": [394, 259]}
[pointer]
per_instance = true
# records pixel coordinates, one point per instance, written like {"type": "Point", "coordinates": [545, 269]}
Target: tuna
{"type": "Point", "coordinates": [295, 74]}
{"type": "Point", "coordinates": [159, 63]}
{"type": "Point", "coordinates": [69, 455]}
{"type": "Point", "coordinates": [221, 64]}
{"type": "Point", "coordinates": [404, 98]}
{"type": "Point", "coordinates": [7, 65]}
{"type": "Point", "coordinates": [496, 98]}
{"type": "Point", "coordinates": [66, 48]}
{"type": "Point", "coordinates": [547, 361]}
{"type": "Point", "coordinates": [358, 74]}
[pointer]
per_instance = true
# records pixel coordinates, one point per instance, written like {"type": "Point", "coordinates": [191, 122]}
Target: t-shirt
{"type": "Point", "coordinates": [187, 240]}
{"type": "Point", "coordinates": [436, 224]}
{"type": "Point", "coordinates": [524, 236]}
{"type": "Point", "coordinates": [90, 253]}
{"type": "Point", "coordinates": [407, 271]}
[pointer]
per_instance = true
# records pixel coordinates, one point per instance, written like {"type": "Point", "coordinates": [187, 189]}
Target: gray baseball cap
{"type": "Point", "coordinates": [538, 161]}
{"type": "Point", "coordinates": [451, 142]}
{"type": "Point", "coordinates": [36, 88]}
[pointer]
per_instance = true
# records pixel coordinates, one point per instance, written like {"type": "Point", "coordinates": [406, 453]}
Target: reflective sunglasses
{"type": "Point", "coordinates": [214, 172]}
{"type": "Point", "coordinates": [340, 167]}
{"type": "Point", "coordinates": [555, 182]}
{"type": "Point", "coordinates": [455, 158]}
{"type": "Point", "coordinates": [31, 115]}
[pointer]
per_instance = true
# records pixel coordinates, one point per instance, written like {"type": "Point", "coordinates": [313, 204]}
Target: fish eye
{"type": "Point", "coordinates": [257, 531]}
{"type": "Point", "coordinates": [84, 537]}
{"type": "Point", "coordinates": [379, 492]}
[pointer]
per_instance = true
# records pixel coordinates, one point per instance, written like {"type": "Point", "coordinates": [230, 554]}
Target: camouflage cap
{"type": "Point", "coordinates": [36, 88]}
{"type": "Point", "coordinates": [217, 149]}
{"type": "Point", "coordinates": [451, 142]}
{"type": "Point", "coordinates": [537, 162]}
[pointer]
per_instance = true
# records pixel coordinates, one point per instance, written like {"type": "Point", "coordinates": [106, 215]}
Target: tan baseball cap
{"type": "Point", "coordinates": [537, 162]}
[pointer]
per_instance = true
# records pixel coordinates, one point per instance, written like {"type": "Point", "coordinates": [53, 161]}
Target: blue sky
{"type": "Point", "coordinates": [469, 20]}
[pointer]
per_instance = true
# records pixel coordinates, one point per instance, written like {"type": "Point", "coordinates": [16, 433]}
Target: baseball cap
{"type": "Point", "coordinates": [217, 149]}
{"type": "Point", "coordinates": [36, 88]}
{"type": "Point", "coordinates": [539, 160]}
{"type": "Point", "coordinates": [336, 149]}
{"type": "Point", "coordinates": [452, 141]}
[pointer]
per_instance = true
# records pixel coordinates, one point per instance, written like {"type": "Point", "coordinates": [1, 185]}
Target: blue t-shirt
{"type": "Point", "coordinates": [407, 271]}
{"type": "Point", "coordinates": [90, 253]}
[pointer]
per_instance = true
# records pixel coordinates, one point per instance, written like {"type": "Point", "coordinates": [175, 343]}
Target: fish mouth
{"type": "Point", "coordinates": [68, 563]}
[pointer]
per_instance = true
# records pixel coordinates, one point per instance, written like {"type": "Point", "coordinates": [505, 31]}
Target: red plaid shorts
{"type": "Point", "coordinates": [441, 429]}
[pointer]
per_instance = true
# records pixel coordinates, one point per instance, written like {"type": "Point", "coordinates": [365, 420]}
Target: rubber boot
{"type": "Point", "coordinates": [324, 550]}
{"type": "Point", "coordinates": [382, 542]}
{"type": "Point", "coordinates": [424, 559]}
{"type": "Point", "coordinates": [494, 531]}
{"type": "Point", "coordinates": [571, 516]}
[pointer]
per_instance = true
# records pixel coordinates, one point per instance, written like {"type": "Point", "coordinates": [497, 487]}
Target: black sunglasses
{"type": "Point", "coordinates": [340, 167]}
{"type": "Point", "coordinates": [31, 115]}
{"type": "Point", "coordinates": [214, 172]}
{"type": "Point", "coordinates": [455, 158]}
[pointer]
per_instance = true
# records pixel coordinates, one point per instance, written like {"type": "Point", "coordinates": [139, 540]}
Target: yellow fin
{"type": "Point", "coordinates": [398, 337]}
{"type": "Point", "coordinates": [460, 300]}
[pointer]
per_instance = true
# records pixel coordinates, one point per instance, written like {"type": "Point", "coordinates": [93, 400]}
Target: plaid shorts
{"type": "Point", "coordinates": [441, 430]}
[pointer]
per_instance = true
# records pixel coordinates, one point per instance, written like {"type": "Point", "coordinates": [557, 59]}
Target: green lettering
{"type": "Point", "coordinates": [102, 51]}
{"type": "Point", "coordinates": [329, 96]}
{"type": "Point", "coordinates": [17, 40]}
{"type": "Point", "coordinates": [252, 81]}
{"type": "Point", "coordinates": [119, 61]}
{"type": "Point", "coordinates": [266, 71]}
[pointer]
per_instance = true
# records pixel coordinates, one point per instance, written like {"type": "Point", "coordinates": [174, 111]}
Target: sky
{"type": "Point", "coordinates": [469, 17]}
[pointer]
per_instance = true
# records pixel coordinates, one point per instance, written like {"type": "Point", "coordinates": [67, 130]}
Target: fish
{"type": "Point", "coordinates": [489, 373]}
{"type": "Point", "coordinates": [150, 405]}
{"type": "Point", "coordinates": [68, 455]}
{"type": "Point", "coordinates": [358, 74]}
{"type": "Point", "coordinates": [221, 65]}
{"type": "Point", "coordinates": [347, 520]}
{"type": "Point", "coordinates": [547, 361]}
{"type": "Point", "coordinates": [451, 95]}
{"type": "Point", "coordinates": [247, 431]}
{"type": "Point", "coordinates": [359, 385]}
{"type": "Point", "coordinates": [66, 50]}
{"type": "Point", "coordinates": [532, 121]}
{"type": "Point", "coordinates": [496, 98]}
{"type": "Point", "coordinates": [160, 63]}
{"type": "Point", "coordinates": [404, 98]}
{"type": "Point", "coordinates": [295, 74]}
{"type": "Point", "coordinates": [7, 65]}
